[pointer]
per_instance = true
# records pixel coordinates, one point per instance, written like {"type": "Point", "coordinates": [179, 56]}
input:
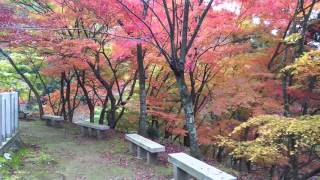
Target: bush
{"type": "Point", "coordinates": [280, 141]}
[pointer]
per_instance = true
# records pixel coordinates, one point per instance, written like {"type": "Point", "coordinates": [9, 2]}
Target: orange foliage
{"type": "Point", "coordinates": [209, 132]}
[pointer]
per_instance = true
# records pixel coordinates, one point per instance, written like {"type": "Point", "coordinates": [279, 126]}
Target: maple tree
{"type": "Point", "coordinates": [170, 31]}
{"type": "Point", "coordinates": [86, 56]}
{"type": "Point", "coordinates": [174, 39]}
{"type": "Point", "coordinates": [8, 19]}
{"type": "Point", "coordinates": [292, 46]}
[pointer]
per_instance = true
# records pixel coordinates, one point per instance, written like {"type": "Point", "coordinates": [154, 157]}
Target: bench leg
{"type": "Point", "coordinates": [180, 174]}
{"type": "Point", "coordinates": [152, 158]}
{"type": "Point", "coordinates": [83, 131]}
{"type": "Point", "coordinates": [100, 134]}
{"type": "Point", "coordinates": [48, 122]}
{"type": "Point", "coordinates": [53, 123]}
{"type": "Point", "coordinates": [141, 153]}
{"type": "Point", "coordinates": [132, 148]}
{"type": "Point", "coordinates": [90, 131]}
{"type": "Point", "coordinates": [59, 124]}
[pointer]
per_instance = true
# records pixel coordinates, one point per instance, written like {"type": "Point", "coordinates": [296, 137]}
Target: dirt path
{"type": "Point", "coordinates": [67, 155]}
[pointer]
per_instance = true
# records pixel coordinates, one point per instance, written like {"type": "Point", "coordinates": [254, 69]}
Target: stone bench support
{"type": "Point", "coordinates": [90, 129]}
{"type": "Point", "coordinates": [144, 148]}
{"type": "Point", "coordinates": [186, 167]}
{"type": "Point", "coordinates": [23, 114]}
{"type": "Point", "coordinates": [152, 158]}
{"type": "Point", "coordinates": [179, 174]}
{"type": "Point", "coordinates": [54, 121]}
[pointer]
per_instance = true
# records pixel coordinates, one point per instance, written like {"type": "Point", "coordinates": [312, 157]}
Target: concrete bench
{"type": "Point", "coordinates": [92, 129]}
{"type": "Point", "coordinates": [24, 114]}
{"type": "Point", "coordinates": [187, 167]}
{"type": "Point", "coordinates": [51, 120]}
{"type": "Point", "coordinates": [144, 148]}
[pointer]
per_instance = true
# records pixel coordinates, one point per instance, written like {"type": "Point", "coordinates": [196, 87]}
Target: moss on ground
{"type": "Point", "coordinates": [22, 161]}
{"type": "Point", "coordinates": [9, 164]}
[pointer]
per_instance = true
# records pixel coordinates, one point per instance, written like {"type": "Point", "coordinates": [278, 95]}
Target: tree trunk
{"type": "Point", "coordinates": [187, 104]}
{"type": "Point", "coordinates": [186, 139]}
{"type": "Point", "coordinates": [284, 86]}
{"type": "Point", "coordinates": [143, 126]}
{"type": "Point", "coordinates": [63, 100]}
{"type": "Point", "coordinates": [68, 100]}
{"type": "Point", "coordinates": [311, 86]}
{"type": "Point", "coordinates": [103, 111]}
{"type": "Point", "coordinates": [112, 112]}
{"type": "Point", "coordinates": [293, 160]}
{"type": "Point", "coordinates": [71, 105]}
{"type": "Point", "coordinates": [29, 83]}
{"type": "Point", "coordinates": [112, 123]}
{"type": "Point", "coordinates": [286, 105]}
{"type": "Point", "coordinates": [271, 172]}
{"type": "Point", "coordinates": [90, 104]}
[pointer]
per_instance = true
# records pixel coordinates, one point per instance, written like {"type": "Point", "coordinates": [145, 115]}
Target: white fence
{"type": "Point", "coordinates": [9, 113]}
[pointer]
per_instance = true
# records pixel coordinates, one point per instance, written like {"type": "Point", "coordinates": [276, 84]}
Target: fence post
{"type": "Point", "coordinates": [2, 120]}
{"type": "Point", "coordinates": [14, 111]}
{"type": "Point", "coordinates": [16, 102]}
{"type": "Point", "coordinates": [9, 115]}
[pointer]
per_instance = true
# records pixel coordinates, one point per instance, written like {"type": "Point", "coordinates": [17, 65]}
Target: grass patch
{"type": "Point", "coordinates": [23, 162]}
{"type": "Point", "coordinates": [12, 163]}
{"type": "Point", "coordinates": [71, 156]}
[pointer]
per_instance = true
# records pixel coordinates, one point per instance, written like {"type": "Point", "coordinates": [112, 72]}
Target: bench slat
{"type": "Point", "coordinates": [145, 143]}
{"type": "Point", "coordinates": [197, 168]}
{"type": "Point", "coordinates": [93, 126]}
{"type": "Point", "coordinates": [52, 117]}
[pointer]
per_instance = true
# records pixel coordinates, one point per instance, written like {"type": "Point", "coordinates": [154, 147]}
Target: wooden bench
{"type": "Point", "coordinates": [144, 148]}
{"type": "Point", "coordinates": [187, 167]}
{"type": "Point", "coordinates": [92, 129]}
{"type": "Point", "coordinates": [51, 120]}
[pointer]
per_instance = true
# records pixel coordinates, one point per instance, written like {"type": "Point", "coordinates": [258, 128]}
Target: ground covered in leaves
{"type": "Point", "coordinates": [52, 153]}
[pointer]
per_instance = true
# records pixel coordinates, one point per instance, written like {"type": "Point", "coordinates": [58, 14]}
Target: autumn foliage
{"type": "Point", "coordinates": [219, 74]}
